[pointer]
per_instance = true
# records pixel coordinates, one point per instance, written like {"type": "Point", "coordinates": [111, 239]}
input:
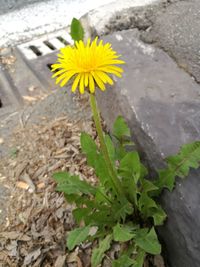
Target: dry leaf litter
{"type": "Point", "coordinates": [39, 217]}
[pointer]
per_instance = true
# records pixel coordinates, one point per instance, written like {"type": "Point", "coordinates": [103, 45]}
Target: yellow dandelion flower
{"type": "Point", "coordinates": [87, 64]}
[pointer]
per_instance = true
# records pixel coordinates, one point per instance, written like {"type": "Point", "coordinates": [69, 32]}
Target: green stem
{"type": "Point", "coordinates": [114, 179]}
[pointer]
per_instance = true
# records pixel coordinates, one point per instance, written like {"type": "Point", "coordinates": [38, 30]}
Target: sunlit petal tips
{"type": "Point", "coordinates": [88, 65]}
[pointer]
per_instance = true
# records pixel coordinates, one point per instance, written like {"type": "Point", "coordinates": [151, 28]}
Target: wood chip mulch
{"type": "Point", "coordinates": [38, 217]}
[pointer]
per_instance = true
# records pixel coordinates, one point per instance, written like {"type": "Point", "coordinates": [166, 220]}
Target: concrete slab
{"type": "Point", "coordinates": [40, 18]}
{"type": "Point", "coordinates": [177, 30]}
{"type": "Point", "coordinates": [49, 16]}
{"type": "Point", "coordinates": [122, 15]}
{"type": "Point", "coordinates": [161, 103]}
{"type": "Point", "coordinates": [10, 5]}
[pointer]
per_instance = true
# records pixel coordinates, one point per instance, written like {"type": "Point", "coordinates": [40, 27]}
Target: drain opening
{"type": "Point", "coordinates": [62, 40]}
{"type": "Point", "coordinates": [47, 43]}
{"type": "Point", "coordinates": [35, 50]}
{"type": "Point", "coordinates": [1, 104]}
{"type": "Point", "coordinates": [49, 66]}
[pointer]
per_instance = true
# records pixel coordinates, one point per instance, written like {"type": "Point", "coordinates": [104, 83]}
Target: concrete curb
{"type": "Point", "coordinates": [120, 16]}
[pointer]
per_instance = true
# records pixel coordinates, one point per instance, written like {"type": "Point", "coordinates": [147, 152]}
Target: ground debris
{"type": "Point", "coordinates": [39, 217]}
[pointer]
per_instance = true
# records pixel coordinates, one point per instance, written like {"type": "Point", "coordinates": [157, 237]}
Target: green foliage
{"type": "Point", "coordinates": [13, 152]}
{"type": "Point", "coordinates": [124, 261]}
{"type": "Point", "coordinates": [139, 260]}
{"type": "Point", "coordinates": [77, 31]}
{"type": "Point", "coordinates": [71, 184]}
{"type": "Point", "coordinates": [148, 241]}
{"type": "Point", "coordinates": [120, 129]}
{"type": "Point", "coordinates": [98, 253]}
{"type": "Point", "coordinates": [123, 233]}
{"type": "Point", "coordinates": [77, 236]}
{"type": "Point", "coordinates": [179, 165]}
{"type": "Point", "coordinates": [130, 218]}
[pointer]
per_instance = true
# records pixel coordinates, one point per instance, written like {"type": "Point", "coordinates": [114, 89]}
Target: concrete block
{"type": "Point", "coordinates": [161, 104]}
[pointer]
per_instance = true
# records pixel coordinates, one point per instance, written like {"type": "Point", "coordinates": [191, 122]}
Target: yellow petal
{"type": "Point", "coordinates": [104, 77]}
{"type": "Point", "coordinates": [98, 81]}
{"type": "Point", "coordinates": [108, 70]}
{"type": "Point", "coordinates": [58, 73]}
{"type": "Point", "coordinates": [81, 85]}
{"type": "Point", "coordinates": [86, 79]}
{"type": "Point", "coordinates": [75, 83]}
{"type": "Point", "coordinates": [91, 84]}
{"type": "Point", "coordinates": [118, 69]}
{"type": "Point", "coordinates": [55, 67]}
{"type": "Point", "coordinates": [91, 62]}
{"type": "Point", "coordinates": [113, 62]}
{"type": "Point", "coordinates": [65, 77]}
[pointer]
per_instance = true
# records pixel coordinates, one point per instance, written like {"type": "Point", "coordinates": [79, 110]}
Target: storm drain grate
{"type": "Point", "coordinates": [45, 45]}
{"type": "Point", "coordinates": [39, 55]}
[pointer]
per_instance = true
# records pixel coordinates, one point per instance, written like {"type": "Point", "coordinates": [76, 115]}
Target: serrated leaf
{"type": "Point", "coordinates": [129, 170]}
{"type": "Point", "coordinates": [130, 166]}
{"type": "Point", "coordinates": [145, 203]}
{"type": "Point", "coordinates": [122, 233]}
{"type": "Point", "coordinates": [139, 260]}
{"type": "Point", "coordinates": [148, 241]}
{"type": "Point", "coordinates": [77, 236]}
{"type": "Point", "coordinates": [120, 128]}
{"type": "Point", "coordinates": [101, 196]}
{"type": "Point", "coordinates": [143, 171]}
{"type": "Point", "coordinates": [148, 186]}
{"type": "Point", "coordinates": [102, 172]}
{"type": "Point", "coordinates": [158, 215]}
{"type": "Point", "coordinates": [123, 261]}
{"type": "Point", "coordinates": [101, 217]}
{"type": "Point", "coordinates": [61, 177]}
{"type": "Point", "coordinates": [166, 179]}
{"type": "Point", "coordinates": [98, 253]}
{"type": "Point", "coordinates": [72, 184]}
{"type": "Point", "coordinates": [77, 31]}
{"type": "Point", "coordinates": [188, 157]}
{"type": "Point", "coordinates": [89, 147]}
{"type": "Point", "coordinates": [179, 165]}
{"type": "Point", "coordinates": [110, 147]}
{"type": "Point", "coordinates": [122, 209]}
{"type": "Point", "coordinates": [76, 198]}
{"type": "Point", "coordinates": [96, 160]}
{"type": "Point", "coordinates": [81, 213]}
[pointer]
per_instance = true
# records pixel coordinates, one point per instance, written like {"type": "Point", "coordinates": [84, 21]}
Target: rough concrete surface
{"type": "Point", "coordinates": [161, 104]}
{"type": "Point", "coordinates": [45, 17]}
{"type": "Point", "coordinates": [10, 5]}
{"type": "Point", "coordinates": [41, 18]}
{"type": "Point", "coordinates": [123, 15]}
{"type": "Point", "coordinates": [177, 30]}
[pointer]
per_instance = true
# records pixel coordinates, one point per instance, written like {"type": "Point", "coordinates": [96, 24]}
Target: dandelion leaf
{"type": "Point", "coordinates": [77, 236]}
{"type": "Point", "coordinates": [99, 253]}
{"type": "Point", "coordinates": [148, 241]}
{"type": "Point", "coordinates": [77, 31]}
{"type": "Point", "coordinates": [123, 260]}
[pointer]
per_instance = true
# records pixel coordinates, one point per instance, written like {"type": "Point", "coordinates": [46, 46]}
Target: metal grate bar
{"type": "Point", "coordinates": [55, 42]}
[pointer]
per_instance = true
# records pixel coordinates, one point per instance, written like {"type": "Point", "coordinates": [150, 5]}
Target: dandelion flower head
{"type": "Point", "coordinates": [88, 65]}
